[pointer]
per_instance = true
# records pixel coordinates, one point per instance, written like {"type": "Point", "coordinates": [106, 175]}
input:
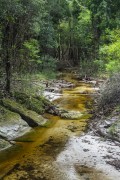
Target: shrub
{"type": "Point", "coordinates": [48, 63]}
{"type": "Point", "coordinates": [88, 68]}
{"type": "Point", "coordinates": [110, 94]}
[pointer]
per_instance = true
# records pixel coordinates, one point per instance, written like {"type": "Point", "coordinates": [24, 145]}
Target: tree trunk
{"type": "Point", "coordinates": [6, 49]}
{"type": "Point", "coordinates": [8, 74]}
{"type": "Point", "coordinates": [96, 34]}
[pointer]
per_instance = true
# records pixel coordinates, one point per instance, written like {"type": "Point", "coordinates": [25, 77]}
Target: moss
{"type": "Point", "coordinates": [31, 117]}
{"type": "Point", "coordinates": [6, 115]}
{"type": "Point", "coordinates": [117, 109]}
{"type": "Point", "coordinates": [11, 105]}
{"type": "Point", "coordinates": [114, 129]}
{"type": "Point", "coordinates": [36, 104]}
{"type": "Point", "coordinates": [45, 101]}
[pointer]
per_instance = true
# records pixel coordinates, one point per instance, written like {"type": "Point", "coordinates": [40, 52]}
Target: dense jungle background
{"type": "Point", "coordinates": [46, 36]}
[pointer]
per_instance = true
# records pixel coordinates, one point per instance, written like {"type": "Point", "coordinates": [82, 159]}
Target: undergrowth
{"type": "Point", "coordinates": [110, 94]}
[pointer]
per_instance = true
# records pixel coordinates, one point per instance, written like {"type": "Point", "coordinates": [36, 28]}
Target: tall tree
{"type": "Point", "coordinates": [17, 19]}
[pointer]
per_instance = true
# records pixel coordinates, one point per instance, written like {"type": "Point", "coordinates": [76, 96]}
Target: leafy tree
{"type": "Point", "coordinates": [17, 18]}
{"type": "Point", "coordinates": [110, 53]}
{"type": "Point", "coordinates": [35, 34]}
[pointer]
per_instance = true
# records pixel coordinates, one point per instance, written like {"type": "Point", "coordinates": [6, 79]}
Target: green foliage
{"type": "Point", "coordinates": [48, 63]}
{"type": "Point", "coordinates": [31, 117]}
{"type": "Point", "coordinates": [64, 30]}
{"type": "Point", "coordinates": [28, 83]}
{"type": "Point", "coordinates": [30, 102]}
{"type": "Point", "coordinates": [110, 54]}
{"type": "Point", "coordinates": [38, 35]}
{"type": "Point", "coordinates": [32, 49]}
{"type": "Point", "coordinates": [83, 28]}
{"type": "Point", "coordinates": [91, 71]}
{"type": "Point", "coordinates": [100, 67]}
{"type": "Point", "coordinates": [47, 34]}
{"type": "Point", "coordinates": [112, 129]}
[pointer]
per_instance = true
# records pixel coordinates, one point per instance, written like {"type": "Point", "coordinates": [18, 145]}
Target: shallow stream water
{"type": "Point", "coordinates": [56, 152]}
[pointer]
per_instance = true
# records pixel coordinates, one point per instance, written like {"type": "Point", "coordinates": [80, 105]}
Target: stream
{"type": "Point", "coordinates": [63, 150]}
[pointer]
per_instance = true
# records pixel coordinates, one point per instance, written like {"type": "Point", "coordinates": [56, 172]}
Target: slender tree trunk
{"type": "Point", "coordinates": [96, 35]}
{"type": "Point", "coordinates": [59, 42]}
{"type": "Point", "coordinates": [8, 73]}
{"type": "Point", "coordinates": [6, 49]}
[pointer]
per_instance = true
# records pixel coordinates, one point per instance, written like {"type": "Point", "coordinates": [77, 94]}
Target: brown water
{"type": "Point", "coordinates": [34, 155]}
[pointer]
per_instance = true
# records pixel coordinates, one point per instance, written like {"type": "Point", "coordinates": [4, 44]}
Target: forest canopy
{"type": "Point", "coordinates": [36, 35]}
